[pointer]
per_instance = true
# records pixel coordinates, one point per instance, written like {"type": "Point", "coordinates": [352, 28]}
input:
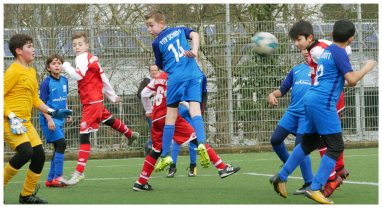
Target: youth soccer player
{"type": "Point", "coordinates": [303, 35]}
{"type": "Point", "coordinates": [321, 115]}
{"type": "Point", "coordinates": [92, 83]}
{"type": "Point", "coordinates": [20, 94]}
{"type": "Point", "coordinates": [292, 122]}
{"type": "Point", "coordinates": [54, 92]}
{"type": "Point", "coordinates": [175, 57]}
{"type": "Point", "coordinates": [184, 133]}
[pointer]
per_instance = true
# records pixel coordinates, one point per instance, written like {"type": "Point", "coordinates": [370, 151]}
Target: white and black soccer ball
{"type": "Point", "coordinates": [264, 43]}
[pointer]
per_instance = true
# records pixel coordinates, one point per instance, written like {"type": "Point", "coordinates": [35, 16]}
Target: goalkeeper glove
{"type": "Point", "coordinates": [59, 113]}
{"type": "Point", "coordinates": [16, 124]}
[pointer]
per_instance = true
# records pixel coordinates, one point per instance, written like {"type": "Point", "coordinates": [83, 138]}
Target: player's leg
{"type": "Point", "coordinates": [169, 128]}
{"type": "Point", "coordinates": [118, 125]}
{"type": "Point", "coordinates": [83, 155]}
{"type": "Point", "coordinates": [175, 148]}
{"type": "Point", "coordinates": [58, 159]}
{"type": "Point", "coordinates": [306, 169]}
{"type": "Point", "coordinates": [192, 146]}
{"type": "Point", "coordinates": [278, 144]}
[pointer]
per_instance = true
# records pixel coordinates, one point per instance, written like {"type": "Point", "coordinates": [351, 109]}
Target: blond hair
{"type": "Point", "coordinates": [157, 16]}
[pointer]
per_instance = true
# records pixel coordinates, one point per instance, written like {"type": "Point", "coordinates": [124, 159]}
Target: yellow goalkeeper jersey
{"type": "Point", "coordinates": [20, 91]}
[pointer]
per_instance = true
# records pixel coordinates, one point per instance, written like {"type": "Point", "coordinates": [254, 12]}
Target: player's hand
{"type": "Point", "coordinates": [272, 100]}
{"type": "Point", "coordinates": [59, 113]}
{"type": "Point", "coordinates": [148, 115]}
{"type": "Point", "coordinates": [371, 64]}
{"type": "Point", "coordinates": [69, 119]}
{"type": "Point", "coordinates": [117, 99]}
{"type": "Point", "coordinates": [16, 123]}
{"type": "Point", "coordinates": [51, 125]}
{"type": "Point", "coordinates": [191, 53]}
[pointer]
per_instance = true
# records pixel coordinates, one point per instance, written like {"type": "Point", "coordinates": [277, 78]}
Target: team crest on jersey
{"type": "Point", "coordinates": [83, 125]}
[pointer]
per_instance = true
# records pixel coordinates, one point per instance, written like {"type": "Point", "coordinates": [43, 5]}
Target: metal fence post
{"type": "Point", "coordinates": [229, 73]}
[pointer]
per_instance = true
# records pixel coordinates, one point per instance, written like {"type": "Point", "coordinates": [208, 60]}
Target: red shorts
{"type": "Point", "coordinates": [183, 132]}
{"type": "Point", "coordinates": [340, 103]}
{"type": "Point", "coordinates": [92, 116]}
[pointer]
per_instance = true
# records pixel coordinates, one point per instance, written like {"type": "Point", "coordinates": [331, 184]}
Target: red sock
{"type": "Point", "coordinates": [83, 154]}
{"type": "Point", "coordinates": [340, 162]}
{"type": "Point", "coordinates": [121, 127]}
{"type": "Point", "coordinates": [214, 158]}
{"type": "Point", "coordinates": [147, 169]}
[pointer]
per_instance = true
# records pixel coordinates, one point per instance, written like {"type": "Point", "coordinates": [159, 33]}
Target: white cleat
{"type": "Point", "coordinates": [76, 177]}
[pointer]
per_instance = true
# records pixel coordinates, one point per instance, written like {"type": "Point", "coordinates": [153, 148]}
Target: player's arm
{"type": "Point", "coordinates": [10, 79]}
{"type": "Point", "coordinates": [107, 89]}
{"type": "Point", "coordinates": [157, 54]}
{"type": "Point", "coordinates": [146, 93]}
{"type": "Point", "coordinates": [44, 96]}
{"type": "Point", "coordinates": [284, 88]}
{"type": "Point", "coordinates": [195, 38]}
{"type": "Point", "coordinates": [353, 77]}
{"type": "Point", "coordinates": [79, 72]}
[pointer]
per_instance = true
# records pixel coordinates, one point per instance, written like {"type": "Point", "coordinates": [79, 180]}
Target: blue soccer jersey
{"type": "Point", "coordinates": [329, 82]}
{"type": "Point", "coordinates": [299, 80]}
{"type": "Point", "coordinates": [169, 48]}
{"type": "Point", "coordinates": [54, 92]}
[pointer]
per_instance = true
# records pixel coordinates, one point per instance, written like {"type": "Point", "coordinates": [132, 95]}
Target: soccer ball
{"type": "Point", "coordinates": [264, 43]}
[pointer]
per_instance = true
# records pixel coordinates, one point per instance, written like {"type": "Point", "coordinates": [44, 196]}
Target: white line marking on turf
{"type": "Point", "coordinates": [208, 175]}
{"type": "Point", "coordinates": [300, 178]}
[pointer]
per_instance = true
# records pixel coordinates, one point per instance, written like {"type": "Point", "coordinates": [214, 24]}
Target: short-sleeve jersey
{"type": "Point", "coordinates": [299, 80]}
{"type": "Point", "coordinates": [20, 91]}
{"type": "Point", "coordinates": [169, 47]}
{"type": "Point", "coordinates": [54, 93]}
{"type": "Point", "coordinates": [329, 82]}
{"type": "Point", "coordinates": [90, 86]}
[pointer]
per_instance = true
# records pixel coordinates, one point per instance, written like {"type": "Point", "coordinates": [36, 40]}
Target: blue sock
{"type": "Point", "coordinates": [326, 166]}
{"type": "Point", "coordinates": [51, 170]}
{"type": "Point", "coordinates": [293, 161]}
{"type": "Point", "coordinates": [192, 151]}
{"type": "Point", "coordinates": [198, 125]}
{"type": "Point", "coordinates": [306, 170]}
{"type": "Point", "coordinates": [281, 151]}
{"type": "Point", "coordinates": [175, 152]}
{"type": "Point", "coordinates": [168, 134]}
{"type": "Point", "coordinates": [58, 164]}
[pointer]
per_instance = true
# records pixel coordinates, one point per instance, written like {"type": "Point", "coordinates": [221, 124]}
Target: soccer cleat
{"type": "Point", "coordinates": [32, 199]}
{"type": "Point", "coordinates": [134, 136]}
{"type": "Point", "coordinates": [76, 177]}
{"type": "Point", "coordinates": [56, 182]}
{"type": "Point", "coordinates": [317, 196]}
{"type": "Point", "coordinates": [204, 158]}
{"type": "Point", "coordinates": [139, 187]}
{"type": "Point", "coordinates": [302, 190]}
{"type": "Point", "coordinates": [163, 162]}
{"type": "Point", "coordinates": [279, 186]}
{"type": "Point", "coordinates": [343, 173]}
{"type": "Point", "coordinates": [228, 170]}
{"type": "Point", "coordinates": [331, 186]}
{"type": "Point", "coordinates": [171, 171]}
{"type": "Point", "coordinates": [192, 171]}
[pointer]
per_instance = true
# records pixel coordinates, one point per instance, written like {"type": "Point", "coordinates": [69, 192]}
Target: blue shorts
{"type": "Point", "coordinates": [52, 136]}
{"type": "Point", "coordinates": [293, 123]}
{"type": "Point", "coordinates": [321, 121]}
{"type": "Point", "coordinates": [190, 90]}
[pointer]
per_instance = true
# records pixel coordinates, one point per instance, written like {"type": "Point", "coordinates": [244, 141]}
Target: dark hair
{"type": "Point", "coordinates": [77, 35]}
{"type": "Point", "coordinates": [301, 27]}
{"type": "Point", "coordinates": [156, 15]}
{"type": "Point", "coordinates": [51, 58]}
{"type": "Point", "coordinates": [343, 30]}
{"type": "Point", "coordinates": [18, 41]}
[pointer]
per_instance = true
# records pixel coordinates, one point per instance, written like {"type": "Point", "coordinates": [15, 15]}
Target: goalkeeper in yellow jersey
{"type": "Point", "coordinates": [20, 94]}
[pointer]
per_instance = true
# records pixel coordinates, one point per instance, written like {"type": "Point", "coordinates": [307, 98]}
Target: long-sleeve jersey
{"type": "Point", "coordinates": [54, 93]}
{"type": "Point", "coordinates": [299, 80]}
{"type": "Point", "coordinates": [158, 88]}
{"type": "Point", "coordinates": [169, 48]}
{"type": "Point", "coordinates": [91, 79]}
{"type": "Point", "coordinates": [20, 91]}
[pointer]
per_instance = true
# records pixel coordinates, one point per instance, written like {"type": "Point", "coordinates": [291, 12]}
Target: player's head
{"type": "Point", "coordinates": [155, 22]}
{"type": "Point", "coordinates": [343, 31]}
{"type": "Point", "coordinates": [302, 34]}
{"type": "Point", "coordinates": [21, 47]}
{"type": "Point", "coordinates": [54, 64]}
{"type": "Point", "coordinates": [80, 43]}
{"type": "Point", "coordinates": [153, 70]}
